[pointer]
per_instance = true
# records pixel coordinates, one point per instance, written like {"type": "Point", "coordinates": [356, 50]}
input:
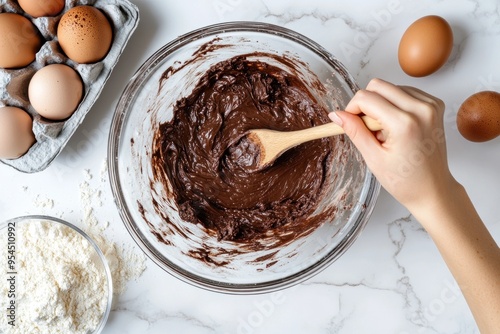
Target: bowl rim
{"type": "Point", "coordinates": [119, 119]}
{"type": "Point", "coordinates": [102, 257]}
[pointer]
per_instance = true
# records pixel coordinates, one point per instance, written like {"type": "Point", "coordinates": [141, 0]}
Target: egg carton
{"type": "Point", "coordinates": [52, 136]}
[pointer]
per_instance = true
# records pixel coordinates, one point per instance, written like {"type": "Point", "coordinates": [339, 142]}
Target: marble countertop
{"type": "Point", "coordinates": [392, 279]}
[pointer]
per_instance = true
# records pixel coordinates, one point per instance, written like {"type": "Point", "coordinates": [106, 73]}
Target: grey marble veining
{"type": "Point", "coordinates": [392, 280]}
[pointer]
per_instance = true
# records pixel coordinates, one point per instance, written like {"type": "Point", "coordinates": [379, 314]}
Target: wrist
{"type": "Point", "coordinates": [440, 205]}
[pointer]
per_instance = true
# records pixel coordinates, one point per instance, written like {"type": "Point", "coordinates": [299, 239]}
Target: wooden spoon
{"type": "Point", "coordinates": [273, 143]}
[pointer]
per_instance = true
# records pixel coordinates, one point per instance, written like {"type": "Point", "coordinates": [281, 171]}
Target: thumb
{"type": "Point", "coordinates": [356, 130]}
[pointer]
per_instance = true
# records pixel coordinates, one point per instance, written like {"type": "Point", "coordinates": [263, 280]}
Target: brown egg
{"type": "Point", "coordinates": [478, 118]}
{"type": "Point", "coordinates": [16, 134]}
{"type": "Point", "coordinates": [85, 34]}
{"type": "Point", "coordinates": [19, 41]}
{"type": "Point", "coordinates": [37, 8]}
{"type": "Point", "coordinates": [425, 46]}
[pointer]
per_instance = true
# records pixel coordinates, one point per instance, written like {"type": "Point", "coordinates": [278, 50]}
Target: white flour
{"type": "Point", "coordinates": [51, 285]}
{"type": "Point", "coordinates": [60, 286]}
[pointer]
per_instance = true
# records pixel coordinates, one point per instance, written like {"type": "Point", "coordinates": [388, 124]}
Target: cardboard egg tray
{"type": "Point", "coordinates": [52, 136]}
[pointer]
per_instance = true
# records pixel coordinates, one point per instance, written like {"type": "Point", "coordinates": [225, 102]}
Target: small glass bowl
{"type": "Point", "coordinates": [99, 259]}
{"type": "Point", "coordinates": [223, 266]}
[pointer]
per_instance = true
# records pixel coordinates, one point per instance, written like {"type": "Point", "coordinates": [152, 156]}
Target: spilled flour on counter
{"type": "Point", "coordinates": [60, 287]}
{"type": "Point", "coordinates": [43, 203]}
{"type": "Point", "coordinates": [124, 262]}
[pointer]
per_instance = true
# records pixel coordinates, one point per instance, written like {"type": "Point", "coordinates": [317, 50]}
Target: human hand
{"type": "Point", "coordinates": [408, 156]}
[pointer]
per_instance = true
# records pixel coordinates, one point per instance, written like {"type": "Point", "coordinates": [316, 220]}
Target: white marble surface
{"type": "Point", "coordinates": [392, 280]}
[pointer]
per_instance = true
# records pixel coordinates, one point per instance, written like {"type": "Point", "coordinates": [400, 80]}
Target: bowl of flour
{"type": "Point", "coordinates": [55, 279]}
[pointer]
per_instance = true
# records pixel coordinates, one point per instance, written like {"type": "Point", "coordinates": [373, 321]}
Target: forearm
{"type": "Point", "coordinates": [470, 252]}
{"type": "Point", "coordinates": [409, 159]}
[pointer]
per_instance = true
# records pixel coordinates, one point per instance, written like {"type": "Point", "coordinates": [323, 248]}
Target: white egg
{"type": "Point", "coordinates": [55, 91]}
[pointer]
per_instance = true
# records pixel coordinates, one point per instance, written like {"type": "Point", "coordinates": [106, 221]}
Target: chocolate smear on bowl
{"type": "Point", "coordinates": [202, 157]}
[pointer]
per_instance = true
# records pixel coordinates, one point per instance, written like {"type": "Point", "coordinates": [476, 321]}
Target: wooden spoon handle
{"type": "Point", "coordinates": [327, 130]}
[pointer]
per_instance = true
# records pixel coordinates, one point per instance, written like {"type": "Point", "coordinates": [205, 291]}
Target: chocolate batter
{"type": "Point", "coordinates": [207, 159]}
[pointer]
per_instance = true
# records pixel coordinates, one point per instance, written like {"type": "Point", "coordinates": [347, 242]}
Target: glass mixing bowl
{"type": "Point", "coordinates": [10, 236]}
{"type": "Point", "coordinates": [186, 250]}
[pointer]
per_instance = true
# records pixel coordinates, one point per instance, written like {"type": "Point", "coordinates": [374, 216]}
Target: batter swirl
{"type": "Point", "coordinates": [206, 160]}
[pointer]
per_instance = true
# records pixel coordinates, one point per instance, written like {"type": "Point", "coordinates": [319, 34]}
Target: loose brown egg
{"type": "Point", "coordinates": [16, 134]}
{"type": "Point", "coordinates": [19, 41]}
{"type": "Point", "coordinates": [55, 91]}
{"type": "Point", "coordinates": [37, 8]}
{"type": "Point", "coordinates": [425, 46]}
{"type": "Point", "coordinates": [85, 34]}
{"type": "Point", "coordinates": [478, 118]}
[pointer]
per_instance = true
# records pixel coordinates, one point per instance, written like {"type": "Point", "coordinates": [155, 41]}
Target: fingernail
{"type": "Point", "coordinates": [335, 118]}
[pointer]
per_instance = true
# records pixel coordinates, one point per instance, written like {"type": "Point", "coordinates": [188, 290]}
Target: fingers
{"type": "Point", "coordinates": [419, 94]}
{"type": "Point", "coordinates": [399, 97]}
{"type": "Point", "coordinates": [373, 105]}
{"type": "Point", "coordinates": [403, 97]}
{"type": "Point", "coordinates": [359, 134]}
{"type": "Point", "coordinates": [385, 102]}
{"type": "Point", "coordinates": [397, 109]}
{"type": "Point", "coordinates": [427, 99]}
